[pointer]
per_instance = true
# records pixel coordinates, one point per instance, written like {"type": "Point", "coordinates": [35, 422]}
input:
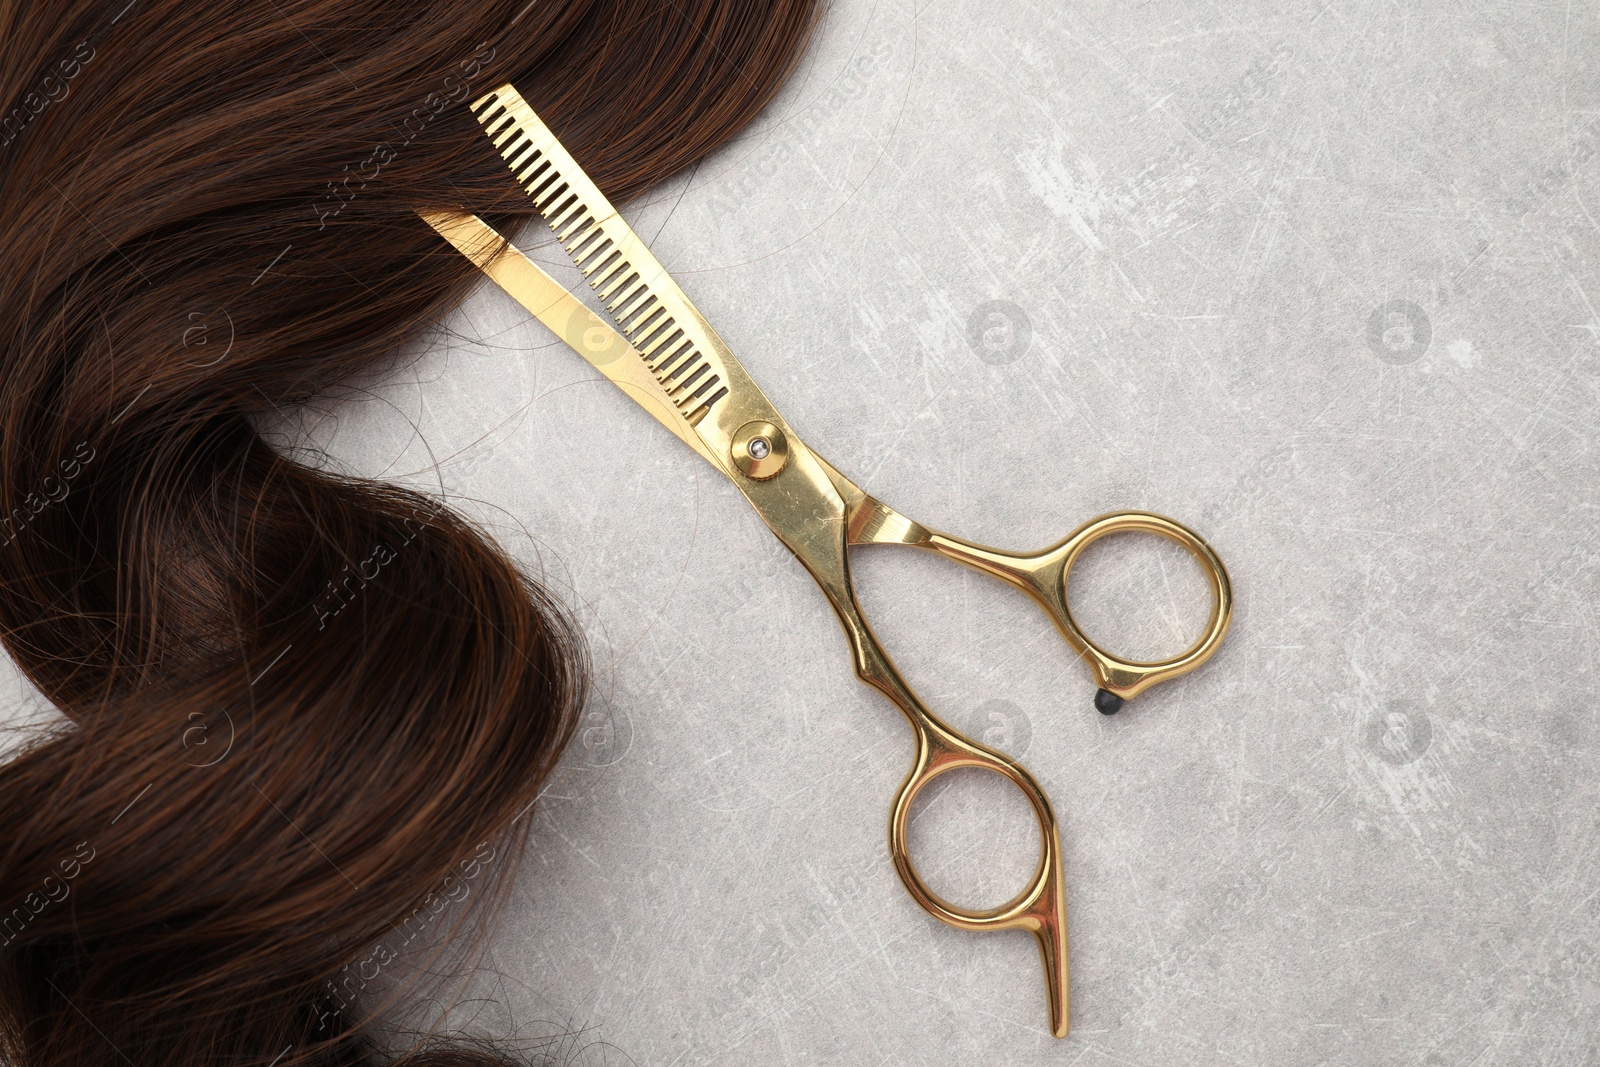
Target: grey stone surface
{"type": "Point", "coordinates": [1313, 279]}
{"type": "Point", "coordinates": [1316, 280]}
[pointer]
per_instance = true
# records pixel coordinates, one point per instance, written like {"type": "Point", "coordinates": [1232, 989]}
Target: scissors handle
{"type": "Point", "coordinates": [1043, 576]}
{"type": "Point", "coordinates": [1040, 908]}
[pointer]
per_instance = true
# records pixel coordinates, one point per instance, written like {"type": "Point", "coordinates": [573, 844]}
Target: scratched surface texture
{"type": "Point", "coordinates": [1316, 279]}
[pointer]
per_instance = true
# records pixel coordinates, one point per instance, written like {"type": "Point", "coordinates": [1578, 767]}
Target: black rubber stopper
{"type": "Point", "coordinates": [1106, 702]}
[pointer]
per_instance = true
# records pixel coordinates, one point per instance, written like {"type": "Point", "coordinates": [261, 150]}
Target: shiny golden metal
{"type": "Point", "coordinates": [682, 373]}
{"type": "Point", "coordinates": [759, 450]}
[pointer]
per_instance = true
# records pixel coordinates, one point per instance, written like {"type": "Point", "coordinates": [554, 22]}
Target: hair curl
{"type": "Point", "coordinates": [297, 703]}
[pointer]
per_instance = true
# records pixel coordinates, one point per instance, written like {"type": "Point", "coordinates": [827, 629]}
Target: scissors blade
{"type": "Point", "coordinates": [567, 317]}
{"type": "Point", "coordinates": [692, 364]}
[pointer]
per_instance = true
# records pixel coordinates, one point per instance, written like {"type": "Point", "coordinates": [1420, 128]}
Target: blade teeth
{"type": "Point", "coordinates": [539, 180]}
{"type": "Point", "coordinates": [664, 341]}
{"type": "Point", "coordinates": [643, 314]}
{"type": "Point", "coordinates": [499, 127]}
{"type": "Point", "coordinates": [516, 155]}
{"type": "Point", "coordinates": [690, 380]}
{"type": "Point", "coordinates": [677, 354]}
{"type": "Point", "coordinates": [587, 246]}
{"type": "Point", "coordinates": [601, 269]}
{"type": "Point", "coordinates": [562, 215]}
{"type": "Point", "coordinates": [575, 234]}
{"type": "Point", "coordinates": [693, 361]}
{"type": "Point", "coordinates": [631, 292]}
{"type": "Point", "coordinates": [662, 330]}
{"type": "Point", "coordinates": [550, 197]}
{"type": "Point", "coordinates": [707, 384]}
{"type": "Point", "coordinates": [535, 156]}
{"type": "Point", "coordinates": [590, 244]}
{"type": "Point", "coordinates": [619, 281]}
{"type": "Point", "coordinates": [646, 324]}
{"type": "Point", "coordinates": [536, 165]}
{"type": "Point", "coordinates": [488, 103]}
{"type": "Point", "coordinates": [506, 134]}
{"type": "Point", "coordinates": [705, 408]}
{"type": "Point", "coordinates": [631, 320]}
{"type": "Point", "coordinates": [658, 321]}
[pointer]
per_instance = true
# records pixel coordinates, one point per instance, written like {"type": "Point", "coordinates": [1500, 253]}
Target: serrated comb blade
{"type": "Point", "coordinates": [681, 349]}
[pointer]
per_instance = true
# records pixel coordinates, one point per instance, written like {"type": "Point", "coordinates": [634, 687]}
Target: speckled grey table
{"type": "Point", "coordinates": [1319, 281]}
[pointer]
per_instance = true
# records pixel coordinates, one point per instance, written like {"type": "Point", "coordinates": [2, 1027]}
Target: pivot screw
{"type": "Point", "coordinates": [759, 450]}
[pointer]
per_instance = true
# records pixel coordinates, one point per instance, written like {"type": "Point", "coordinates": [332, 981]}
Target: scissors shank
{"type": "Point", "coordinates": [873, 522]}
{"type": "Point", "coordinates": [869, 521]}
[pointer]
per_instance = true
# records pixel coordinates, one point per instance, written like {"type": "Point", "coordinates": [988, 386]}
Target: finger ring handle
{"type": "Point", "coordinates": [1119, 678]}
{"type": "Point", "coordinates": [1040, 908]}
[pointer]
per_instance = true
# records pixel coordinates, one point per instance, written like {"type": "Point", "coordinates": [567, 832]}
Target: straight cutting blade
{"type": "Point", "coordinates": [584, 332]}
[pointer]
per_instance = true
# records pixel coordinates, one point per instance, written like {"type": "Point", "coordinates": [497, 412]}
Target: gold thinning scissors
{"type": "Point", "coordinates": [665, 355]}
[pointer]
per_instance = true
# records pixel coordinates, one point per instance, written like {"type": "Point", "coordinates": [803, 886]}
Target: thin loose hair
{"type": "Point", "coordinates": [303, 713]}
